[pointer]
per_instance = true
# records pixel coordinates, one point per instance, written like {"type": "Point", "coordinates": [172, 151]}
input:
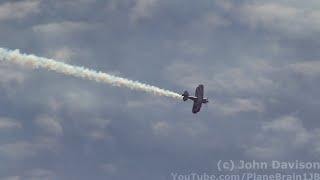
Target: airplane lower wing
{"type": "Point", "coordinates": [196, 106]}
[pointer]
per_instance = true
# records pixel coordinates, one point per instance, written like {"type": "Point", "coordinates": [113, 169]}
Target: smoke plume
{"type": "Point", "coordinates": [14, 56]}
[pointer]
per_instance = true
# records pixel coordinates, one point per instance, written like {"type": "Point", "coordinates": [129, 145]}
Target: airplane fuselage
{"type": "Point", "coordinates": [193, 98]}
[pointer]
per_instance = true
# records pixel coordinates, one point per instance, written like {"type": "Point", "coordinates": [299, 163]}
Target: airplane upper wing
{"type": "Point", "coordinates": [199, 92]}
{"type": "Point", "coordinates": [198, 102]}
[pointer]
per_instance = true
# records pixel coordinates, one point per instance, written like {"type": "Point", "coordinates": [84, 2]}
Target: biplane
{"type": "Point", "coordinates": [198, 99]}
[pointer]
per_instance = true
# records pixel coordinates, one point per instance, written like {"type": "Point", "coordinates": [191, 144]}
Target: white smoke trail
{"type": "Point", "coordinates": [33, 61]}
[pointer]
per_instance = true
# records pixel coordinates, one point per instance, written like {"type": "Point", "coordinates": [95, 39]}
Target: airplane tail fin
{"type": "Point", "coordinates": [185, 95]}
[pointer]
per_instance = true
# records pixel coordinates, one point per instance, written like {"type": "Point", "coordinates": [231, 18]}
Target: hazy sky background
{"type": "Point", "coordinates": [259, 62]}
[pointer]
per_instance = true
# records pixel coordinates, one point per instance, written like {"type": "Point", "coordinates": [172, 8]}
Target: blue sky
{"type": "Point", "coordinates": [259, 62]}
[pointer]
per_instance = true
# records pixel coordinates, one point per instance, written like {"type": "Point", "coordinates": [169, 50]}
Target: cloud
{"type": "Point", "coordinates": [208, 22]}
{"type": "Point", "coordinates": [74, 4]}
{"type": "Point", "coordinates": [214, 20]}
{"type": "Point", "coordinates": [95, 128]}
{"type": "Point", "coordinates": [12, 79]}
{"type": "Point", "coordinates": [39, 174]}
{"type": "Point", "coordinates": [142, 9]}
{"type": "Point", "coordinates": [188, 47]}
{"type": "Point", "coordinates": [147, 101]}
{"type": "Point", "coordinates": [10, 74]}
{"type": "Point", "coordinates": [308, 68]}
{"type": "Point", "coordinates": [268, 14]}
{"type": "Point", "coordinates": [11, 178]}
{"type": "Point", "coordinates": [19, 9]}
{"type": "Point", "coordinates": [18, 150]}
{"type": "Point", "coordinates": [241, 80]}
{"type": "Point", "coordinates": [22, 149]}
{"type": "Point", "coordinates": [287, 18]}
{"type": "Point", "coordinates": [316, 143]}
{"type": "Point", "coordinates": [6, 123]}
{"type": "Point", "coordinates": [161, 128]}
{"type": "Point", "coordinates": [80, 100]}
{"type": "Point", "coordinates": [73, 98]}
{"type": "Point", "coordinates": [250, 76]}
{"type": "Point", "coordinates": [283, 138]}
{"type": "Point", "coordinates": [239, 105]}
{"type": "Point", "coordinates": [108, 168]}
{"type": "Point", "coordinates": [33, 174]}
{"type": "Point", "coordinates": [49, 125]}
{"type": "Point", "coordinates": [64, 54]}
{"type": "Point", "coordinates": [62, 28]}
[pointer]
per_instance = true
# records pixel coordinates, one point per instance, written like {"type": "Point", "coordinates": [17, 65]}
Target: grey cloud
{"type": "Point", "coordinates": [19, 9]}
{"type": "Point", "coordinates": [33, 174]}
{"type": "Point", "coordinates": [108, 168]}
{"type": "Point", "coordinates": [11, 178]}
{"type": "Point", "coordinates": [11, 74]}
{"type": "Point", "coordinates": [282, 138]}
{"type": "Point", "coordinates": [65, 54]}
{"type": "Point", "coordinates": [161, 128]}
{"type": "Point", "coordinates": [294, 20]}
{"type": "Point", "coordinates": [61, 28]}
{"type": "Point", "coordinates": [142, 9]}
{"type": "Point", "coordinates": [308, 68]}
{"type": "Point", "coordinates": [253, 76]}
{"type": "Point", "coordinates": [39, 174]}
{"type": "Point", "coordinates": [21, 149]}
{"type": "Point", "coordinates": [95, 128]}
{"type": "Point", "coordinates": [7, 123]}
{"type": "Point", "coordinates": [238, 105]}
{"type": "Point", "coordinates": [49, 125]}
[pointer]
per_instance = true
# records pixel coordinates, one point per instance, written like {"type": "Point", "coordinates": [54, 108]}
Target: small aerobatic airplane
{"type": "Point", "coordinates": [198, 99]}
